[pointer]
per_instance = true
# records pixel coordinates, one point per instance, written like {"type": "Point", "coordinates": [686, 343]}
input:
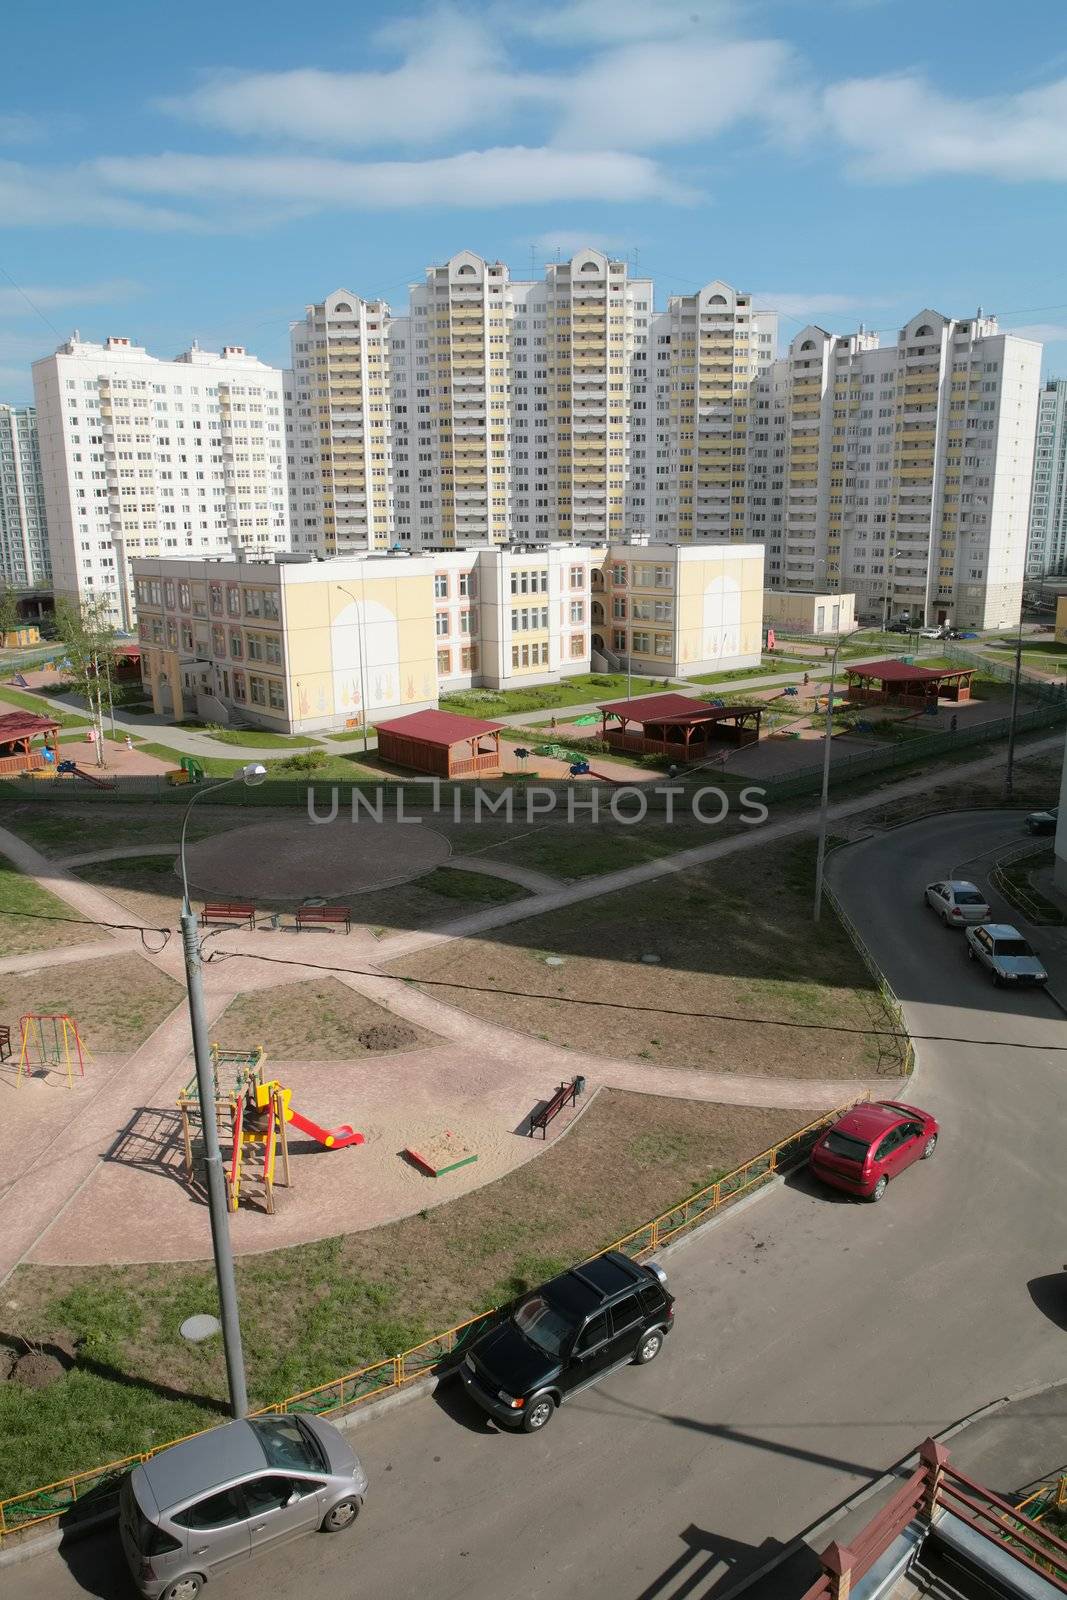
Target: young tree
{"type": "Point", "coordinates": [9, 610]}
{"type": "Point", "coordinates": [88, 637]}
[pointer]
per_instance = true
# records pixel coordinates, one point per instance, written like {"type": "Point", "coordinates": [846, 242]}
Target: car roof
{"type": "Point", "coordinates": [203, 1463]}
{"type": "Point", "coordinates": [1002, 930]}
{"type": "Point", "coordinates": [869, 1120]}
{"type": "Point", "coordinates": [583, 1289]}
{"type": "Point", "coordinates": [961, 883]}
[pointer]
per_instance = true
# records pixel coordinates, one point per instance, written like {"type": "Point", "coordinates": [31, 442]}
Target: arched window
{"type": "Point", "coordinates": [465, 271]}
{"type": "Point", "coordinates": [716, 299]}
{"type": "Point", "coordinates": [924, 332]}
{"type": "Point", "coordinates": [589, 266]}
{"type": "Point", "coordinates": [342, 305]}
{"type": "Point", "coordinates": [809, 344]}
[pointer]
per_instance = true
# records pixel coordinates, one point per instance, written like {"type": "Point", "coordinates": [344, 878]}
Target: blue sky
{"type": "Point", "coordinates": [206, 170]}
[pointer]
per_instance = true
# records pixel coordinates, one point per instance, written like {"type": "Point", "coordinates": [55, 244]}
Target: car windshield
{"type": "Point", "coordinates": [1012, 947]}
{"type": "Point", "coordinates": [843, 1144]}
{"type": "Point", "coordinates": [543, 1325]}
{"type": "Point", "coordinates": [968, 897]}
{"type": "Point", "coordinates": [288, 1443]}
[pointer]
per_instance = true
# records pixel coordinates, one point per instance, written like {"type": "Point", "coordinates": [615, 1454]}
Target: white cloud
{"type": "Point", "coordinates": [1043, 332]}
{"type": "Point", "coordinates": [16, 127]}
{"type": "Point", "coordinates": [48, 297]}
{"type": "Point", "coordinates": [44, 197]}
{"type": "Point", "coordinates": [615, 21]}
{"type": "Point", "coordinates": [500, 177]}
{"type": "Point", "coordinates": [806, 305]}
{"type": "Point", "coordinates": [902, 128]}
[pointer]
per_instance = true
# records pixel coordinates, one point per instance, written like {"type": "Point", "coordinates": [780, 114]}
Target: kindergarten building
{"type": "Point", "coordinates": [302, 644]}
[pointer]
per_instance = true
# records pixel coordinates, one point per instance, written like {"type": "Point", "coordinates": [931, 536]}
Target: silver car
{"type": "Point", "coordinates": [1008, 956]}
{"type": "Point", "coordinates": [956, 902]}
{"type": "Point", "coordinates": [214, 1501]}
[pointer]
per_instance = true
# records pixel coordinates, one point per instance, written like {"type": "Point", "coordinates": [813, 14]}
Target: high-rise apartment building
{"type": "Point", "coordinates": [902, 473]}
{"type": "Point", "coordinates": [1046, 551]}
{"type": "Point", "coordinates": [146, 457]}
{"type": "Point", "coordinates": [23, 534]}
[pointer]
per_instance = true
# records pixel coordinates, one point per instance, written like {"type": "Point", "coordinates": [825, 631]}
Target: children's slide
{"type": "Point", "coordinates": [332, 1138]}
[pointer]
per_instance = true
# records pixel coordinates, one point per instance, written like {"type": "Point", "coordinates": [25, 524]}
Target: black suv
{"type": "Point", "coordinates": [566, 1335]}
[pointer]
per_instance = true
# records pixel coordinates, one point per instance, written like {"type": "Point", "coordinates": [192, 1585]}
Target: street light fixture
{"type": "Point", "coordinates": [825, 801]}
{"type": "Point", "coordinates": [1009, 775]}
{"type": "Point", "coordinates": [361, 624]}
{"type": "Point", "coordinates": [251, 775]}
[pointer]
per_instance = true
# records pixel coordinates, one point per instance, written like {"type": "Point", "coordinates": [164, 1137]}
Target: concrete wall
{"type": "Point", "coordinates": [797, 612]}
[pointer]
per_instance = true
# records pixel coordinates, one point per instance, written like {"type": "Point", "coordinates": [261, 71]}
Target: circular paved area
{"type": "Point", "coordinates": [297, 859]}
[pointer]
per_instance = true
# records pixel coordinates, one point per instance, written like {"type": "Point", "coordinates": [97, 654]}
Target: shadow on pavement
{"type": "Point", "coordinates": [97, 1564]}
{"type": "Point", "coordinates": [696, 1574]}
{"type": "Point", "coordinates": [1049, 1294]}
{"type": "Point", "coordinates": [457, 1405]}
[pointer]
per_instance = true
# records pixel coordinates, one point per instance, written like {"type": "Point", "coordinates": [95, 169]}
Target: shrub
{"type": "Point", "coordinates": [308, 761]}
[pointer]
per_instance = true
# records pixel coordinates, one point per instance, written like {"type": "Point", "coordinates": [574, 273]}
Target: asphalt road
{"type": "Point", "coordinates": [817, 1339]}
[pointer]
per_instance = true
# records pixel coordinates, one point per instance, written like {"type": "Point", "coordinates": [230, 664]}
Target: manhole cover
{"type": "Point", "coordinates": [651, 960]}
{"type": "Point", "coordinates": [553, 961]}
{"type": "Point", "coordinates": [201, 1327]}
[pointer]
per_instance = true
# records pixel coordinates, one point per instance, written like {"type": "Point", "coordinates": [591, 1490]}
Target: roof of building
{"type": "Point", "coordinates": [893, 671]}
{"type": "Point", "coordinates": [437, 727]}
{"type": "Point", "coordinates": [24, 725]}
{"type": "Point", "coordinates": [678, 708]}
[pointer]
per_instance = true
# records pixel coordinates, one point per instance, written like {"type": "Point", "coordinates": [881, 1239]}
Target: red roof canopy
{"type": "Point", "coordinates": [443, 728]}
{"type": "Point", "coordinates": [24, 725]}
{"type": "Point", "coordinates": [893, 671]}
{"type": "Point", "coordinates": [677, 708]}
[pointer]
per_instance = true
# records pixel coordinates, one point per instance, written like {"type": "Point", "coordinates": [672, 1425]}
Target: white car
{"type": "Point", "coordinates": [956, 902]}
{"type": "Point", "coordinates": [931, 633]}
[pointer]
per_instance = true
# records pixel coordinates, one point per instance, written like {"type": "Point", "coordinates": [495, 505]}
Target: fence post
{"type": "Point", "coordinates": [838, 1561]}
{"type": "Point", "coordinates": [934, 1457]}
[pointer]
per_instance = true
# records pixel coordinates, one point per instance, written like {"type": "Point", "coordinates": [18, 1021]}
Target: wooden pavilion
{"type": "Point", "coordinates": [442, 743]}
{"type": "Point", "coordinates": [18, 729]}
{"type": "Point", "coordinates": [675, 725]}
{"type": "Point", "coordinates": [895, 683]}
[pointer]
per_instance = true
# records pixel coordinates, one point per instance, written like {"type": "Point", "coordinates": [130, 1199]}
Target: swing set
{"type": "Point", "coordinates": [50, 1040]}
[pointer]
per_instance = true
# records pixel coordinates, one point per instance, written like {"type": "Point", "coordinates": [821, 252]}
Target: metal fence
{"type": "Point", "coordinates": [86, 1494]}
{"type": "Point", "coordinates": [892, 1005]}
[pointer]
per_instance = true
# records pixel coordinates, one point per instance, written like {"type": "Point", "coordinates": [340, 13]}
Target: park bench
{"type": "Point", "coordinates": [320, 916]}
{"type": "Point", "coordinates": [566, 1094]}
{"type": "Point", "coordinates": [5, 1041]}
{"type": "Point", "coordinates": [230, 911]}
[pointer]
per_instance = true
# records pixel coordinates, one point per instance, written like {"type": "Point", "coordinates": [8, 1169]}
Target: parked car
{"type": "Point", "coordinates": [872, 1144]}
{"type": "Point", "coordinates": [566, 1335]}
{"type": "Point", "coordinates": [956, 902]}
{"type": "Point", "coordinates": [932, 633]}
{"type": "Point", "coordinates": [1007, 955]}
{"type": "Point", "coordinates": [899, 627]}
{"type": "Point", "coordinates": [960, 633]}
{"type": "Point", "coordinates": [214, 1501]}
{"type": "Point", "coordinates": [1043, 821]}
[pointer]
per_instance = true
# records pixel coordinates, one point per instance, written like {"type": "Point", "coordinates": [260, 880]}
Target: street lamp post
{"type": "Point", "coordinates": [1009, 775]}
{"type": "Point", "coordinates": [205, 1084]}
{"type": "Point", "coordinates": [361, 625]}
{"type": "Point", "coordinates": [825, 801]}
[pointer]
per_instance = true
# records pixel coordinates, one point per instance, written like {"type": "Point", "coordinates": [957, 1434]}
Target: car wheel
{"type": "Point", "coordinates": [996, 979]}
{"type": "Point", "coordinates": [944, 919]}
{"type": "Point", "coordinates": [649, 1348]}
{"type": "Point", "coordinates": [341, 1516]}
{"type": "Point", "coordinates": [929, 1147]}
{"type": "Point", "coordinates": [186, 1588]}
{"type": "Point", "coordinates": [879, 1189]}
{"type": "Point", "coordinates": [970, 952]}
{"type": "Point", "coordinates": [538, 1414]}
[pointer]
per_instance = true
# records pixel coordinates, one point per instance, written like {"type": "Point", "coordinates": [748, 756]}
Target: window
{"type": "Point", "coordinates": [577, 577]}
{"type": "Point", "coordinates": [289, 1443]}
{"type": "Point", "coordinates": [442, 625]}
{"type": "Point", "coordinates": [257, 691]}
{"type": "Point", "coordinates": [577, 646]}
{"type": "Point", "coordinates": [577, 611]}
{"type": "Point", "coordinates": [183, 596]}
{"type": "Point", "coordinates": [625, 1314]}
{"type": "Point", "coordinates": [233, 600]}
{"type": "Point", "coordinates": [217, 1511]}
{"type": "Point", "coordinates": [275, 695]}
{"type": "Point", "coordinates": [236, 646]}
{"type": "Point", "coordinates": [168, 593]}
{"type": "Point", "coordinates": [215, 591]}
{"type": "Point", "coordinates": [440, 586]}
{"type": "Point", "coordinates": [444, 662]}
{"type": "Point", "coordinates": [469, 658]}
{"type": "Point", "coordinates": [271, 1494]}
{"type": "Point", "coordinates": [593, 1334]}
{"type": "Point", "coordinates": [642, 644]}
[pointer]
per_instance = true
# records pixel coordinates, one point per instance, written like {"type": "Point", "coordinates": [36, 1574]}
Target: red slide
{"type": "Point", "coordinates": [332, 1138]}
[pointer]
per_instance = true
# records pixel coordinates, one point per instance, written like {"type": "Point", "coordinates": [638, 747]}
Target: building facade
{"type": "Point", "coordinates": [141, 456]}
{"type": "Point", "coordinates": [1046, 551]}
{"type": "Point", "coordinates": [304, 644]}
{"type": "Point", "coordinates": [24, 561]}
{"type": "Point", "coordinates": [902, 474]}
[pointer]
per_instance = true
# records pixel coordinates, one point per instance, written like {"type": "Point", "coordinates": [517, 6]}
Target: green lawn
{"type": "Point", "coordinates": [58, 830]}
{"type": "Point", "coordinates": [335, 769]}
{"type": "Point", "coordinates": [257, 738]}
{"type": "Point", "coordinates": [33, 919]}
{"type": "Point", "coordinates": [585, 689]}
{"type": "Point", "coordinates": [18, 700]}
{"type": "Point", "coordinates": [773, 666]}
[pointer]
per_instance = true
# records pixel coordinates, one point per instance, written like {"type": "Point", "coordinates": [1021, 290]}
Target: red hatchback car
{"type": "Point", "coordinates": [871, 1144]}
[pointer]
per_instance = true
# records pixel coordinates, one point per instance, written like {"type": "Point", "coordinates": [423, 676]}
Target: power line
{"type": "Point", "coordinates": [21, 291]}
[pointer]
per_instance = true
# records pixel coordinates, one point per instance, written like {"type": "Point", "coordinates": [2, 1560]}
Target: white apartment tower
{"type": "Point", "coordinates": [1046, 552]}
{"type": "Point", "coordinates": [145, 457]}
{"type": "Point", "coordinates": [23, 533]}
{"type": "Point", "coordinates": [902, 474]}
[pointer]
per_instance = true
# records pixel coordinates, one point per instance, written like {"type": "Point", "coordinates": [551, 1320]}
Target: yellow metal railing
{"type": "Point", "coordinates": [53, 1500]}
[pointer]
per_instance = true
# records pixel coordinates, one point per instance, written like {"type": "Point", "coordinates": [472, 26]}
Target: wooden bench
{"type": "Point", "coordinates": [5, 1041]}
{"type": "Point", "coordinates": [323, 916]}
{"type": "Point", "coordinates": [230, 911]}
{"type": "Point", "coordinates": [566, 1094]}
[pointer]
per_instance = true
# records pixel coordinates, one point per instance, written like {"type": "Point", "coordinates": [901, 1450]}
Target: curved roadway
{"type": "Point", "coordinates": [817, 1339]}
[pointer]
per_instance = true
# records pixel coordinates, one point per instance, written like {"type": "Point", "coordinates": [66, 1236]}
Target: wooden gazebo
{"type": "Point", "coordinates": [895, 683]}
{"type": "Point", "coordinates": [18, 729]}
{"type": "Point", "coordinates": [442, 743]}
{"type": "Point", "coordinates": [675, 725]}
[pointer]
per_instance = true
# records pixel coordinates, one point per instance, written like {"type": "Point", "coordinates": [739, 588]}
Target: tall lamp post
{"type": "Point", "coordinates": [824, 804]}
{"type": "Point", "coordinates": [361, 623]}
{"type": "Point", "coordinates": [1009, 775]}
{"type": "Point", "coordinates": [205, 1084]}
